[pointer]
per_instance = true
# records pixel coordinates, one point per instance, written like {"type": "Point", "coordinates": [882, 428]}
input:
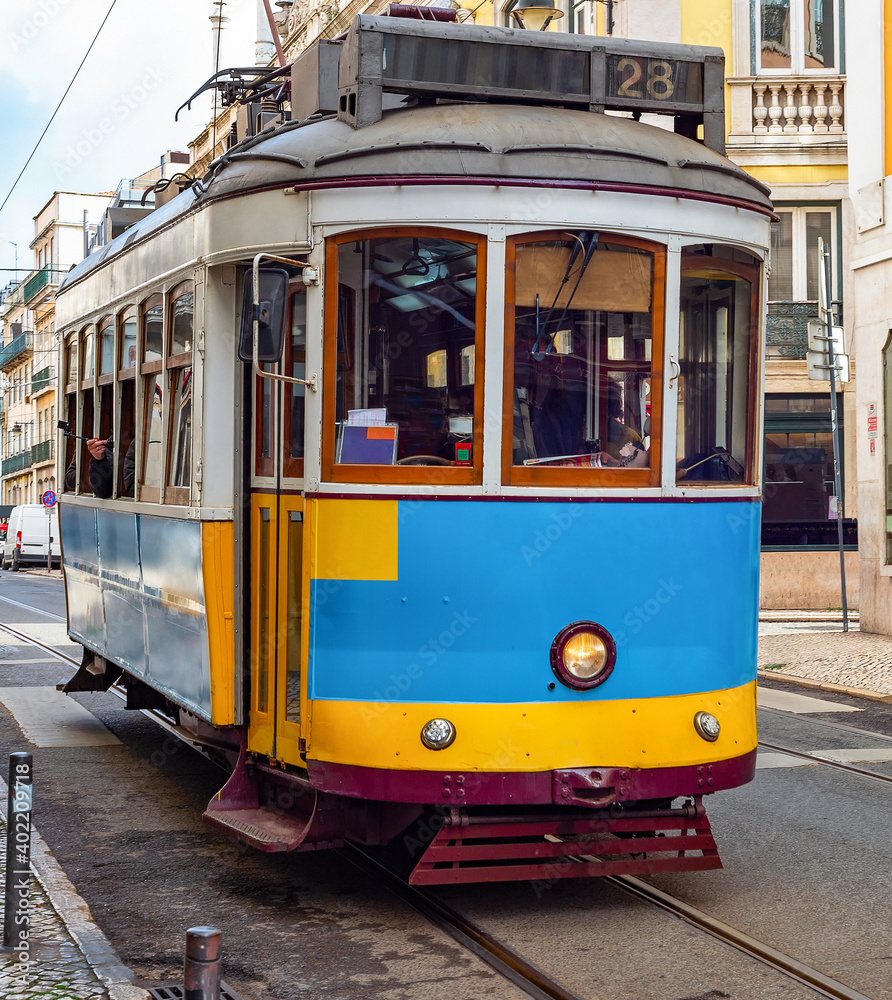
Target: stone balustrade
{"type": "Point", "coordinates": [787, 110]}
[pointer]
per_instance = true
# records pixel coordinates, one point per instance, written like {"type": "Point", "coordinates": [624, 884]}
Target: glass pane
{"type": "Point", "coordinates": [798, 476]}
{"type": "Point", "coordinates": [819, 32]}
{"type": "Point", "coordinates": [776, 34]}
{"type": "Point", "coordinates": [71, 362]}
{"type": "Point", "coordinates": [263, 601]}
{"type": "Point", "coordinates": [406, 313]}
{"type": "Point", "coordinates": [297, 393]}
{"type": "Point", "coordinates": [181, 335]}
{"type": "Point", "coordinates": [125, 444]}
{"type": "Point", "coordinates": [180, 427]}
{"type": "Point", "coordinates": [128, 342]}
{"type": "Point", "coordinates": [152, 470]}
{"type": "Point", "coordinates": [582, 354]}
{"type": "Point", "coordinates": [295, 577]}
{"type": "Point", "coordinates": [154, 333]}
{"type": "Point", "coordinates": [780, 281]}
{"type": "Point", "coordinates": [89, 359]}
{"type": "Point", "coordinates": [716, 337]}
{"type": "Point", "coordinates": [817, 224]}
{"type": "Point", "coordinates": [107, 349]}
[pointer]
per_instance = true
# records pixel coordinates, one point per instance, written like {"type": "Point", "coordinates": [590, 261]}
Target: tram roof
{"type": "Point", "coordinates": [516, 144]}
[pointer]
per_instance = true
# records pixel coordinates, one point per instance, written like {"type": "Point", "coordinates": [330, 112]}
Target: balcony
{"type": "Point", "coordinates": [42, 452]}
{"type": "Point", "coordinates": [15, 463]}
{"type": "Point", "coordinates": [787, 111]}
{"type": "Point", "coordinates": [16, 351]}
{"type": "Point", "coordinates": [38, 280]}
{"type": "Point", "coordinates": [787, 330]}
{"type": "Point", "coordinates": [42, 380]}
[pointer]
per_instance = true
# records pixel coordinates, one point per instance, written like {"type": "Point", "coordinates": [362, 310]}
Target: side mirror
{"type": "Point", "coordinates": [269, 312]}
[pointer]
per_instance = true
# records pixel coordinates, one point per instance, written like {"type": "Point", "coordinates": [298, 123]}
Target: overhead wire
{"type": "Point", "coordinates": [58, 106]}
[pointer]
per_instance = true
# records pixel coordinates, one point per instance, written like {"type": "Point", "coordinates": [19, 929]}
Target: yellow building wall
{"type": "Point", "coordinates": [887, 76]}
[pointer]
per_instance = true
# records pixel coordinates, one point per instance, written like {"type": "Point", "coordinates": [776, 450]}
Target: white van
{"type": "Point", "coordinates": [30, 532]}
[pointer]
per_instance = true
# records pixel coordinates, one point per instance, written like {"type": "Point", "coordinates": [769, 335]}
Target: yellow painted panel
{"type": "Point", "coordinates": [354, 539]}
{"type": "Point", "coordinates": [261, 728]}
{"type": "Point", "coordinates": [641, 732]}
{"type": "Point", "coordinates": [217, 540]}
{"type": "Point", "coordinates": [801, 174]}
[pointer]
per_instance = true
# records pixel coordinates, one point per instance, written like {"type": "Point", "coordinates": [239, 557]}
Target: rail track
{"type": "Point", "coordinates": [531, 980]}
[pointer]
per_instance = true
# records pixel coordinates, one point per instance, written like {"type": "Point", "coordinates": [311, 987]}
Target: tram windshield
{"type": "Point", "coordinates": [406, 384]}
{"type": "Point", "coordinates": [583, 373]}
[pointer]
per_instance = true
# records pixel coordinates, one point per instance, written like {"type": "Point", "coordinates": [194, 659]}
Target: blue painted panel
{"type": "Point", "coordinates": [485, 586]}
{"type": "Point", "coordinates": [136, 595]}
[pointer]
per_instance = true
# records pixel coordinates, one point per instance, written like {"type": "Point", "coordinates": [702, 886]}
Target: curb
{"type": "Point", "coordinates": [816, 685]}
{"type": "Point", "coordinates": [75, 915]}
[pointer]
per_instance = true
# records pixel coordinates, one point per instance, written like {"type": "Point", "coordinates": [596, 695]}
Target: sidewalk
{"type": "Point", "coordinates": [810, 648]}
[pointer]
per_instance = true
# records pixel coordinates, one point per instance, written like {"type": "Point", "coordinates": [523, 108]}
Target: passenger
{"type": "Point", "coordinates": [101, 468]}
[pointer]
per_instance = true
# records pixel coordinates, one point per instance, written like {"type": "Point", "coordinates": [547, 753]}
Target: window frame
{"type": "Point", "coordinates": [104, 323]}
{"type": "Point", "coordinates": [799, 247]}
{"type": "Point", "coordinates": [440, 475]}
{"type": "Point", "coordinates": [797, 43]}
{"type": "Point", "coordinates": [552, 476]}
{"type": "Point", "coordinates": [173, 494]}
{"type": "Point", "coordinates": [129, 372]}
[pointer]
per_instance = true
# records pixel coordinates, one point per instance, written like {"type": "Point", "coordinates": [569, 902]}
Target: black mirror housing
{"type": "Point", "coordinates": [270, 315]}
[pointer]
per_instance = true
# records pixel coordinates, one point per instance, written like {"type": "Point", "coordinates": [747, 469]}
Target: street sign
{"type": "Point", "coordinates": [818, 339]}
{"type": "Point", "coordinates": [48, 499]}
{"type": "Point", "coordinates": [823, 296]}
{"type": "Point", "coordinates": [819, 366]}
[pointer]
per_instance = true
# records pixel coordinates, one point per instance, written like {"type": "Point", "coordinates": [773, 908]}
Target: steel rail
{"type": "Point", "coordinates": [841, 726]}
{"type": "Point", "coordinates": [529, 978]}
{"type": "Point", "coordinates": [777, 960]}
{"type": "Point", "coordinates": [40, 645]}
{"type": "Point", "coordinates": [839, 765]}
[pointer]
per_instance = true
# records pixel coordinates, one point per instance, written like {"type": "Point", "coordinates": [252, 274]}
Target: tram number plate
{"type": "Point", "coordinates": [643, 80]}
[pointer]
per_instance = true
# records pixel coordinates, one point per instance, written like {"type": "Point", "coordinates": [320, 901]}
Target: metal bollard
{"type": "Point", "coordinates": [17, 916]}
{"type": "Point", "coordinates": [201, 974]}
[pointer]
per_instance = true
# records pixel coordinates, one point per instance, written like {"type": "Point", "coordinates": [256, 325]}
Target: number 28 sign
{"type": "Point", "coordinates": [642, 80]}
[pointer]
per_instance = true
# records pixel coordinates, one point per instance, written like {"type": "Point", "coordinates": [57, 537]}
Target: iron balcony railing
{"type": "Point", "coordinates": [42, 452]}
{"type": "Point", "coordinates": [15, 463]}
{"type": "Point", "coordinates": [41, 380]}
{"type": "Point", "coordinates": [16, 350]}
{"type": "Point", "coordinates": [38, 280]}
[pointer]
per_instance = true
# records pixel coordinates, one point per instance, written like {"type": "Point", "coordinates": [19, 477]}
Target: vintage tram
{"type": "Point", "coordinates": [431, 499]}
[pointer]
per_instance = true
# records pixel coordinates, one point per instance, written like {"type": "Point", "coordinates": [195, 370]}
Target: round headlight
{"type": "Point", "coordinates": [437, 734]}
{"type": "Point", "coordinates": [582, 655]}
{"type": "Point", "coordinates": [707, 726]}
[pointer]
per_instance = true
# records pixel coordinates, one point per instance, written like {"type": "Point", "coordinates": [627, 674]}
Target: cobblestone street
{"type": "Point", "coordinates": [57, 970]}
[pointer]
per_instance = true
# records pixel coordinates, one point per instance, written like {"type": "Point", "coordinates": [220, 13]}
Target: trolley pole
{"type": "Point", "coordinates": [201, 973]}
{"type": "Point", "coordinates": [834, 422]}
{"type": "Point", "coordinates": [17, 916]}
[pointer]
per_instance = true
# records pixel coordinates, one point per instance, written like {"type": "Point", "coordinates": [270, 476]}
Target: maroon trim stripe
{"type": "Point", "coordinates": [317, 495]}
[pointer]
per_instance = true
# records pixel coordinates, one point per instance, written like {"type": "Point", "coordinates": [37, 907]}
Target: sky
{"type": "Point", "coordinates": [118, 118]}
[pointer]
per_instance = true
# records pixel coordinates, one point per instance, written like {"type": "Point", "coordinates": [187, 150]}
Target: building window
{"type": "Point", "coordinates": [796, 36]}
{"type": "Point", "coordinates": [798, 509]}
{"type": "Point", "coordinates": [795, 276]}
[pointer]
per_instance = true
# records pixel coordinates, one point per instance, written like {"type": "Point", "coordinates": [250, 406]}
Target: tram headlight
{"type": "Point", "coordinates": [707, 726]}
{"type": "Point", "coordinates": [582, 655]}
{"type": "Point", "coordinates": [437, 734]}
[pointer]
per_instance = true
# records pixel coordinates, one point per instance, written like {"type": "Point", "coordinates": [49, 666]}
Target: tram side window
{"type": "Point", "coordinates": [406, 389]}
{"type": "Point", "coordinates": [87, 427]}
{"type": "Point", "coordinates": [582, 385]}
{"type": "Point", "coordinates": [179, 364]}
{"type": "Point", "coordinates": [152, 317]}
{"type": "Point", "coordinates": [295, 395]}
{"type": "Point", "coordinates": [70, 410]}
{"type": "Point", "coordinates": [716, 385]}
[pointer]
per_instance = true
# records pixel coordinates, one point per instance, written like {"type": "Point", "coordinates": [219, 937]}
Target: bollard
{"type": "Point", "coordinates": [201, 974]}
{"type": "Point", "coordinates": [17, 917]}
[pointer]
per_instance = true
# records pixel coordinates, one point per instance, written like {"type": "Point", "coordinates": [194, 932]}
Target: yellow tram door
{"type": "Point", "coordinates": [279, 644]}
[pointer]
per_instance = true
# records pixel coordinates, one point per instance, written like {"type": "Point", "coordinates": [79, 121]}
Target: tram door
{"type": "Point", "coordinates": [279, 602]}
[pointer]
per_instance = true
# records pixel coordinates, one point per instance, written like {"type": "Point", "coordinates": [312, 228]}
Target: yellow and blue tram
{"type": "Point", "coordinates": [431, 496]}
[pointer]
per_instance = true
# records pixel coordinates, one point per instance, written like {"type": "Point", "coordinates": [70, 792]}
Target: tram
{"type": "Point", "coordinates": [430, 498]}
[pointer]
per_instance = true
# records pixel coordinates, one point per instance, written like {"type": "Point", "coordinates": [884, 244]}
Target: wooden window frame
{"type": "Point", "coordinates": [131, 312]}
{"type": "Point", "coordinates": [70, 383]}
{"type": "Point", "coordinates": [101, 326]}
{"type": "Point", "coordinates": [177, 292]}
{"type": "Point", "coordinates": [148, 367]}
{"type": "Point", "coordinates": [83, 381]}
{"type": "Point", "coordinates": [551, 476]}
{"type": "Point", "coordinates": [399, 474]}
{"type": "Point", "coordinates": [179, 495]}
{"type": "Point", "coordinates": [292, 468]}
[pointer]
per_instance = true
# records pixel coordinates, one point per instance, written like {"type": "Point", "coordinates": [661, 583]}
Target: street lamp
{"type": "Point", "coordinates": [536, 15]}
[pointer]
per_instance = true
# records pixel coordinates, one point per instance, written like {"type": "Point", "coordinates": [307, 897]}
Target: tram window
{"type": "Point", "coordinates": [181, 299]}
{"type": "Point", "coordinates": [180, 449]}
{"type": "Point", "coordinates": [88, 430]}
{"type": "Point", "coordinates": [125, 441]}
{"type": "Point", "coordinates": [152, 429]}
{"type": "Point", "coordinates": [71, 362]}
{"type": "Point", "coordinates": [716, 384]}
{"type": "Point", "coordinates": [153, 331]}
{"type": "Point", "coordinates": [582, 387]}
{"type": "Point", "coordinates": [107, 346]}
{"type": "Point", "coordinates": [409, 327]}
{"type": "Point", "coordinates": [89, 365]}
{"type": "Point", "coordinates": [127, 361]}
{"type": "Point", "coordinates": [70, 443]}
{"type": "Point", "coordinates": [295, 395]}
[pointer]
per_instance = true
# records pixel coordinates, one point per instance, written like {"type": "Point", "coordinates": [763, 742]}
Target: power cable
{"type": "Point", "coordinates": [59, 105]}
